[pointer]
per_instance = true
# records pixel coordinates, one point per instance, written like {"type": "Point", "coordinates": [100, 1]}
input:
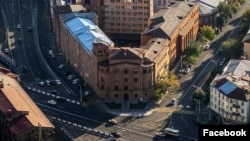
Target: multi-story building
{"type": "Point", "coordinates": [82, 42]}
{"type": "Point", "coordinates": [230, 93]}
{"type": "Point", "coordinates": [125, 72]}
{"type": "Point", "coordinates": [158, 4]}
{"type": "Point", "coordinates": [178, 25]}
{"type": "Point", "coordinates": [20, 117]}
{"type": "Point", "coordinates": [126, 19]}
{"type": "Point", "coordinates": [246, 46]}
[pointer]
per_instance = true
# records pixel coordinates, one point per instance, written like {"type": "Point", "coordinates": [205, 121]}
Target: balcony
{"type": "Point", "coordinates": [235, 113]}
{"type": "Point", "coordinates": [236, 106]}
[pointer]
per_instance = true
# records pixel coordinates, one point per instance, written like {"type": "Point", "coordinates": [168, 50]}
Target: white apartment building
{"type": "Point", "coordinates": [230, 93]}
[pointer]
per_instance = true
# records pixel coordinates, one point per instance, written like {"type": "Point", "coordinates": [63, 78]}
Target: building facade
{"type": "Point", "coordinates": [20, 117]}
{"type": "Point", "coordinates": [246, 46]}
{"type": "Point", "coordinates": [178, 24]}
{"type": "Point", "coordinates": [230, 93]}
{"type": "Point", "coordinates": [125, 72]}
{"type": "Point", "coordinates": [126, 19]}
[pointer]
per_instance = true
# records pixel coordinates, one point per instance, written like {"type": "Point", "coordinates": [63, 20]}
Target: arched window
{"type": "Point", "coordinates": [125, 71]}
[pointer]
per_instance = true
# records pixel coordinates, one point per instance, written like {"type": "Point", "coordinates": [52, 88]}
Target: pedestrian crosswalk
{"type": "Point", "coordinates": [173, 110]}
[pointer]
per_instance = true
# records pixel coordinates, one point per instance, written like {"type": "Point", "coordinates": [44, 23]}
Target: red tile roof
{"type": "Point", "coordinates": [15, 100]}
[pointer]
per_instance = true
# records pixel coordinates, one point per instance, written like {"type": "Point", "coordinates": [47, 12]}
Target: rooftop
{"type": "Point", "coordinates": [14, 99]}
{"type": "Point", "coordinates": [246, 39]}
{"type": "Point", "coordinates": [235, 80]}
{"type": "Point", "coordinates": [167, 19]}
{"type": "Point", "coordinates": [86, 33]}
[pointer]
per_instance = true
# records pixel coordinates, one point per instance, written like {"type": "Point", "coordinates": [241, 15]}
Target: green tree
{"type": "Point", "coordinates": [164, 83]}
{"type": "Point", "coordinates": [207, 32]}
{"type": "Point", "coordinates": [191, 59]}
{"type": "Point", "coordinates": [232, 48]}
{"type": "Point", "coordinates": [198, 93]}
{"type": "Point", "coordinates": [193, 48]}
{"type": "Point", "coordinates": [220, 21]}
{"type": "Point", "coordinates": [246, 16]}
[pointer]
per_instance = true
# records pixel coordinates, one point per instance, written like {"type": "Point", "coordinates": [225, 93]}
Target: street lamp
{"type": "Point", "coordinates": [198, 102]}
{"type": "Point", "coordinates": [80, 92]}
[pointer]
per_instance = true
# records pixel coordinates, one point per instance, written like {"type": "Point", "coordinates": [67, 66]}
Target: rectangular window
{"type": "Point", "coordinates": [125, 87]}
{"type": "Point", "coordinates": [125, 79]}
{"type": "Point", "coordinates": [116, 87]}
{"type": "Point", "coordinates": [135, 79]}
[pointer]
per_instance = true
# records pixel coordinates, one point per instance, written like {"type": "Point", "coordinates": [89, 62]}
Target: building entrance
{"type": "Point", "coordinates": [125, 96]}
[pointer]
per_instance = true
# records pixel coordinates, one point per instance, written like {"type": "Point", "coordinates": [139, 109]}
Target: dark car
{"type": "Point", "coordinates": [25, 69]}
{"type": "Point", "coordinates": [116, 134]}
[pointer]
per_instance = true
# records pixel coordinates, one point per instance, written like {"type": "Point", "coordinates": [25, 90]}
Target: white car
{"type": "Point", "coordinates": [207, 47]}
{"type": "Point", "coordinates": [86, 93]}
{"type": "Point", "coordinates": [52, 102]}
{"type": "Point", "coordinates": [58, 82]}
{"type": "Point", "coordinates": [61, 66]}
{"type": "Point", "coordinates": [112, 121]}
{"type": "Point", "coordinates": [72, 76]}
{"type": "Point", "coordinates": [18, 26]}
{"type": "Point", "coordinates": [6, 50]}
{"type": "Point", "coordinates": [75, 81]}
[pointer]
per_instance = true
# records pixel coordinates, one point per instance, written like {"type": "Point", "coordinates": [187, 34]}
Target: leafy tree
{"type": "Point", "coordinates": [193, 48]}
{"type": "Point", "coordinates": [242, 1]}
{"type": "Point", "coordinates": [220, 21]}
{"type": "Point", "coordinates": [208, 32]}
{"type": "Point", "coordinates": [246, 15]}
{"type": "Point", "coordinates": [198, 93]}
{"type": "Point", "coordinates": [164, 83]}
{"type": "Point", "coordinates": [191, 59]}
{"type": "Point", "coordinates": [232, 48]}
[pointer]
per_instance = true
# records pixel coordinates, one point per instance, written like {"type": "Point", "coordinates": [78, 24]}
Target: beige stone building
{"type": "Point", "coordinates": [246, 46]}
{"type": "Point", "coordinates": [176, 26]}
{"type": "Point", "coordinates": [126, 19]}
{"type": "Point", "coordinates": [20, 118]}
{"type": "Point", "coordinates": [125, 72]}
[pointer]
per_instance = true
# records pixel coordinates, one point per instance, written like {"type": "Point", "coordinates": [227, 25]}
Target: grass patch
{"type": "Point", "coordinates": [139, 105]}
{"type": "Point", "coordinates": [113, 105]}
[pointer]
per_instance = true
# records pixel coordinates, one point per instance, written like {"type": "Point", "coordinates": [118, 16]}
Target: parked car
{"type": "Point", "coordinates": [86, 93]}
{"type": "Point", "coordinates": [71, 76]}
{"type": "Point", "coordinates": [116, 134]}
{"type": "Point", "coordinates": [207, 46]}
{"type": "Point", "coordinates": [6, 50]}
{"type": "Point", "coordinates": [58, 82]}
{"type": "Point", "coordinates": [112, 121]}
{"type": "Point", "coordinates": [48, 82]}
{"type": "Point", "coordinates": [187, 70]}
{"type": "Point", "coordinates": [75, 81]}
{"type": "Point", "coordinates": [61, 66]}
{"type": "Point", "coordinates": [160, 134]}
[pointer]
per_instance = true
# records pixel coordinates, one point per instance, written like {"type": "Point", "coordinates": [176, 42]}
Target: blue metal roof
{"type": "Point", "coordinates": [87, 33]}
{"type": "Point", "coordinates": [227, 87]}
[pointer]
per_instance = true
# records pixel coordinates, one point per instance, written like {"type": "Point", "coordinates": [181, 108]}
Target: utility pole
{"type": "Point", "coordinates": [39, 132]}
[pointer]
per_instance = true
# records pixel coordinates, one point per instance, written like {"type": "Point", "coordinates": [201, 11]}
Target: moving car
{"type": "Point", "coordinates": [18, 26]}
{"type": "Point", "coordinates": [52, 102]}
